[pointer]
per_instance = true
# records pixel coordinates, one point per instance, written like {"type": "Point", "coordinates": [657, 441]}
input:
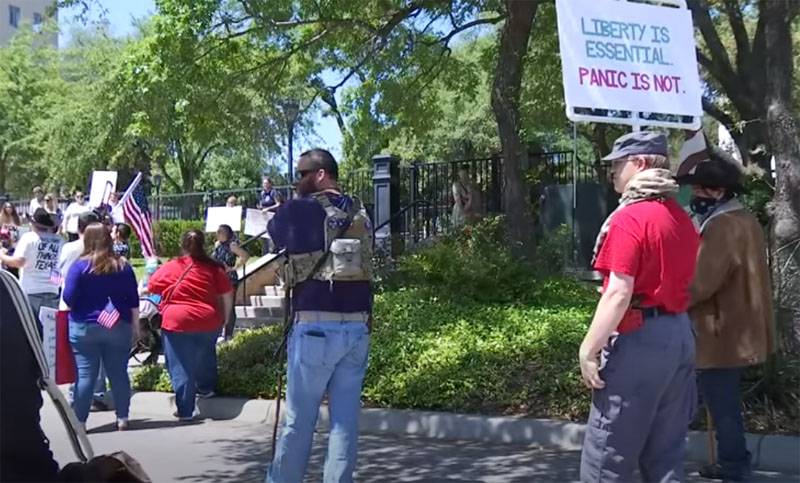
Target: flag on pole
{"type": "Point", "coordinates": [137, 213]}
{"type": "Point", "coordinates": [109, 316]}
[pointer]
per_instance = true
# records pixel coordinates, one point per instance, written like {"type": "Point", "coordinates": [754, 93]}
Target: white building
{"type": "Point", "coordinates": [16, 13]}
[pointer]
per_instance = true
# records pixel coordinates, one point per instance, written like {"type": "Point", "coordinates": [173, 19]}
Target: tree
{"type": "Point", "coordinates": [74, 134]}
{"type": "Point", "coordinates": [505, 104]}
{"type": "Point", "coordinates": [28, 75]}
{"type": "Point", "coordinates": [180, 100]}
{"type": "Point", "coordinates": [731, 51]}
{"type": "Point", "coordinates": [784, 144]}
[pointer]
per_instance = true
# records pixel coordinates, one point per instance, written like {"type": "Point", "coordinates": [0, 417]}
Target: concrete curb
{"type": "Point", "coordinates": [770, 452]}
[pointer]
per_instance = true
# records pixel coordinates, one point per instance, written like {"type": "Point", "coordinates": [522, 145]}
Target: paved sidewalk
{"type": "Point", "coordinates": [230, 451]}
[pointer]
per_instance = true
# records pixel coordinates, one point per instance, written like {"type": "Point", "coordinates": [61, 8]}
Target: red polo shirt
{"type": "Point", "coordinates": [656, 243]}
{"type": "Point", "coordinates": [193, 305]}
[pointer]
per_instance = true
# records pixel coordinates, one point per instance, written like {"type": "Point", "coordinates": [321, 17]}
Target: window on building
{"type": "Point", "coordinates": [37, 22]}
{"type": "Point", "coordinates": [13, 15]}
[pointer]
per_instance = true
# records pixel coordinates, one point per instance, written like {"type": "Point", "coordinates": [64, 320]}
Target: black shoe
{"type": "Point", "coordinates": [714, 472]}
{"type": "Point", "coordinates": [98, 405]}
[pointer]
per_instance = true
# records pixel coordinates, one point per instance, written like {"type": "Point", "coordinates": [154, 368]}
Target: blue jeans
{"type": "Point", "coordinates": [92, 344]}
{"type": "Point", "coordinates": [641, 417]}
{"type": "Point", "coordinates": [322, 356]}
{"type": "Point", "coordinates": [192, 365]}
{"type": "Point", "coordinates": [720, 391]}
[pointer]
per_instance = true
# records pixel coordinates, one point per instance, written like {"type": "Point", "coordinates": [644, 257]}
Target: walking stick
{"type": "Point", "coordinates": [712, 447]}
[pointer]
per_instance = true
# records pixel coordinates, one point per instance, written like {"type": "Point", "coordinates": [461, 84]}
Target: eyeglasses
{"type": "Point", "coordinates": [48, 199]}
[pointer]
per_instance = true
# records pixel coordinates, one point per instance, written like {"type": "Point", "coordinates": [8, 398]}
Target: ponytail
{"type": "Point", "coordinates": [193, 243]}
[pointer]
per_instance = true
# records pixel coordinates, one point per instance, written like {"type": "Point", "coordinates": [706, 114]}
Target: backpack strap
{"type": "Point", "coordinates": [77, 436]}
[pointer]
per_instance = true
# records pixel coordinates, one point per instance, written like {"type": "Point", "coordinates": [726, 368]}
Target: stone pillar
{"type": "Point", "coordinates": [386, 186]}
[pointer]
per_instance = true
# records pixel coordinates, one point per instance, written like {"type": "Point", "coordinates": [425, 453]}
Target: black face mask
{"type": "Point", "coordinates": [702, 205]}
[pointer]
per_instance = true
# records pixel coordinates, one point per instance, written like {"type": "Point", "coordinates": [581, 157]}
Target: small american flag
{"type": "Point", "coordinates": [137, 213]}
{"type": "Point", "coordinates": [109, 316]}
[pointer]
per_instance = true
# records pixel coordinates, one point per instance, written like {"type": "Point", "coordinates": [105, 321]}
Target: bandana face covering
{"type": "Point", "coordinates": [702, 205]}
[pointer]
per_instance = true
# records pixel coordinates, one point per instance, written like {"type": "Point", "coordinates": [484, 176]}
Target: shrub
{"type": "Point", "coordinates": [151, 378]}
{"type": "Point", "coordinates": [168, 235]}
{"type": "Point", "coordinates": [247, 366]}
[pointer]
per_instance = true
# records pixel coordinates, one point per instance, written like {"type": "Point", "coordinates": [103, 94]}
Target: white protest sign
{"type": "Point", "coordinates": [47, 316]}
{"type": "Point", "coordinates": [224, 215]}
{"type": "Point", "coordinates": [255, 222]}
{"type": "Point", "coordinates": [103, 184]}
{"type": "Point", "coordinates": [628, 56]}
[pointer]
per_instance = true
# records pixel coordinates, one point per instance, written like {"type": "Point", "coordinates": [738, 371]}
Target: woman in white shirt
{"type": "Point", "coordinates": [70, 224]}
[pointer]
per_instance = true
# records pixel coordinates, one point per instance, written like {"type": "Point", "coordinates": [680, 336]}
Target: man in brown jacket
{"type": "Point", "coordinates": [731, 306]}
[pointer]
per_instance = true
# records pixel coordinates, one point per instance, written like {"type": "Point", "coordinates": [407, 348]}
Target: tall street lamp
{"type": "Point", "coordinates": [291, 111]}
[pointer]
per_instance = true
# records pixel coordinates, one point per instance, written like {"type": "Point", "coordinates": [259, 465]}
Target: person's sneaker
{"type": "Point", "coordinates": [122, 424]}
{"type": "Point", "coordinates": [183, 419]}
{"type": "Point", "coordinates": [206, 395]}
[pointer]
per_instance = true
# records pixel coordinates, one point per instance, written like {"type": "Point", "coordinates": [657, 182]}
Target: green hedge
{"type": "Point", "coordinates": [168, 234]}
{"type": "Point", "coordinates": [460, 326]}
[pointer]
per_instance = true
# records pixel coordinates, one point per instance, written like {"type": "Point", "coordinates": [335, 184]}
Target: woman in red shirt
{"type": "Point", "coordinates": [197, 299]}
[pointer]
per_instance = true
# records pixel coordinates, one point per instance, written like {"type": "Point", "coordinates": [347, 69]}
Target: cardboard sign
{"type": "Point", "coordinates": [256, 222]}
{"type": "Point", "coordinates": [223, 215]}
{"type": "Point", "coordinates": [55, 342]}
{"type": "Point", "coordinates": [628, 56]}
{"type": "Point", "coordinates": [103, 184]}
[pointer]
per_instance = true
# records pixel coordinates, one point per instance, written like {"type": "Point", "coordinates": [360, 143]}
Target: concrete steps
{"type": "Point", "coordinates": [267, 309]}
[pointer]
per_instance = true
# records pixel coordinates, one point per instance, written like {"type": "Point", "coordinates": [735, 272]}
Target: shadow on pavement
{"type": "Point", "coordinates": [142, 424]}
{"type": "Point", "coordinates": [385, 459]}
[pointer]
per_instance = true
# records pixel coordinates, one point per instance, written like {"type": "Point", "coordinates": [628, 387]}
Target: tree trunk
{"type": "Point", "coordinates": [3, 168]}
{"type": "Point", "coordinates": [505, 105]}
{"type": "Point", "coordinates": [784, 142]}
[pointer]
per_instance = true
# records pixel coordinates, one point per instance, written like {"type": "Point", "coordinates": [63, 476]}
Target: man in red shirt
{"type": "Point", "coordinates": [638, 354]}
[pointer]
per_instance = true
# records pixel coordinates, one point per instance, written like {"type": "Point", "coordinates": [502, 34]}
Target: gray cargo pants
{"type": "Point", "coordinates": [640, 419]}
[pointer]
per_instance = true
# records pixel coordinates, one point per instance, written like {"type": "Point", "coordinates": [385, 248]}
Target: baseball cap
{"type": "Point", "coordinates": [642, 142]}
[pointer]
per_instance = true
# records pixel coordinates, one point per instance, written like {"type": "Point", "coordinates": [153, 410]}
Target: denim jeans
{"type": "Point", "coordinates": [719, 389]}
{"type": "Point", "coordinates": [92, 344]}
{"type": "Point", "coordinates": [641, 417]}
{"type": "Point", "coordinates": [39, 300]}
{"type": "Point", "coordinates": [192, 365]}
{"type": "Point", "coordinates": [322, 356]}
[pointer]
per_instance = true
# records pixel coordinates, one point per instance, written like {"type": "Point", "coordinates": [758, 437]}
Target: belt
{"type": "Point", "coordinates": [651, 312]}
{"type": "Point", "coordinates": [314, 316]}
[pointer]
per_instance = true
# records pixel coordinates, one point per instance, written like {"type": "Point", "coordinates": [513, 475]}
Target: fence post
{"type": "Point", "coordinates": [496, 185]}
{"type": "Point", "coordinates": [414, 197]}
{"type": "Point", "coordinates": [386, 189]}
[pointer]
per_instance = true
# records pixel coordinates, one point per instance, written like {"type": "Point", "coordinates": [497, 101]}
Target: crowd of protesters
{"type": "Point", "coordinates": [685, 305]}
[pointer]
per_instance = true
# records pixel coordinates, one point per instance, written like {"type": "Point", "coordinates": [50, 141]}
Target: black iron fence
{"type": "Point", "coordinates": [192, 206]}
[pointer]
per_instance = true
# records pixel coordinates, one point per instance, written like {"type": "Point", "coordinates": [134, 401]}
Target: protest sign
{"type": "Point", "coordinates": [224, 215]}
{"type": "Point", "coordinates": [103, 184]}
{"type": "Point", "coordinates": [255, 222]}
{"type": "Point", "coordinates": [628, 56]}
{"type": "Point", "coordinates": [55, 342]}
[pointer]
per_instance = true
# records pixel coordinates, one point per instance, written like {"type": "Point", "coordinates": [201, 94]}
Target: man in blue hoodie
{"type": "Point", "coordinates": [328, 240]}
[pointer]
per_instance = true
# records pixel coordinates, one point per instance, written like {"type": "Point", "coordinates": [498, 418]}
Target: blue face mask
{"type": "Point", "coordinates": [702, 205]}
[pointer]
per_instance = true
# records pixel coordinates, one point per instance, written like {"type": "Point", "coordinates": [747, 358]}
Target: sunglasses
{"type": "Point", "coordinates": [302, 174]}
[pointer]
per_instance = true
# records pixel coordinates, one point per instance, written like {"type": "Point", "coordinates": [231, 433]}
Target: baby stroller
{"type": "Point", "coordinates": [149, 340]}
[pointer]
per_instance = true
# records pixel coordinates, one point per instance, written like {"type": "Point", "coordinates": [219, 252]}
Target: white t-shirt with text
{"type": "Point", "coordinates": [70, 252]}
{"type": "Point", "coordinates": [41, 253]}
